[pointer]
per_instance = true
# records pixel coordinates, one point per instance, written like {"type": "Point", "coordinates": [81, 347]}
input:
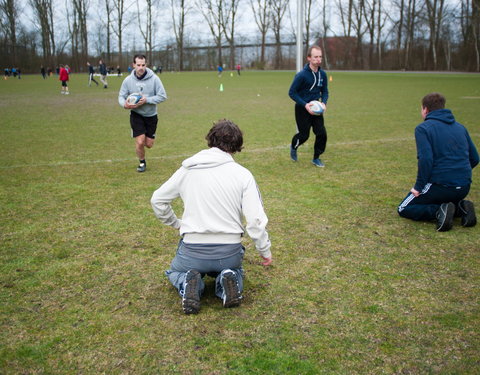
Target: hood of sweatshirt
{"type": "Point", "coordinates": [443, 115]}
{"type": "Point", "coordinates": [149, 75]}
{"type": "Point", "coordinates": [209, 158]}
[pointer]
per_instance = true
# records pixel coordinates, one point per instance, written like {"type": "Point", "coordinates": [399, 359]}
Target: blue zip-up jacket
{"type": "Point", "coordinates": [445, 151]}
{"type": "Point", "coordinates": [308, 85]}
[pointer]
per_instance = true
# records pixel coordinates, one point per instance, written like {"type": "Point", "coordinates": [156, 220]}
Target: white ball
{"type": "Point", "coordinates": [317, 107]}
{"type": "Point", "coordinates": [134, 98]}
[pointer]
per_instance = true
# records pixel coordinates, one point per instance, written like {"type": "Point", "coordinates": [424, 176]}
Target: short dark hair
{"type": "Point", "coordinates": [315, 46]}
{"type": "Point", "coordinates": [139, 56]}
{"type": "Point", "coordinates": [226, 136]}
{"type": "Point", "coordinates": [433, 101]}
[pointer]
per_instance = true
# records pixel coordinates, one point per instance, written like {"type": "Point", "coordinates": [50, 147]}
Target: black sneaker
{"type": "Point", "coordinates": [191, 292]}
{"type": "Point", "coordinates": [231, 291]}
{"type": "Point", "coordinates": [445, 217]}
{"type": "Point", "coordinates": [141, 167]}
{"type": "Point", "coordinates": [466, 210]}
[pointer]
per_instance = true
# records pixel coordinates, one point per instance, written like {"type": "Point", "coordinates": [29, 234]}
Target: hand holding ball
{"type": "Point", "coordinates": [317, 107]}
{"type": "Point", "coordinates": [134, 98]}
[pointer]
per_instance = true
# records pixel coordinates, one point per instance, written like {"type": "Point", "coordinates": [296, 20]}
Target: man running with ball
{"type": "Point", "coordinates": [308, 85]}
{"type": "Point", "coordinates": [143, 115]}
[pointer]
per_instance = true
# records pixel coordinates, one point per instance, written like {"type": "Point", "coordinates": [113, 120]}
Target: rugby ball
{"type": "Point", "coordinates": [317, 107]}
{"type": "Point", "coordinates": [134, 98]}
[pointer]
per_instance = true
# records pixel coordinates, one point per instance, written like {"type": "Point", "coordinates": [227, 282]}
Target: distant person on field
{"type": "Point", "coordinates": [91, 72]}
{"type": "Point", "coordinates": [143, 115]}
{"type": "Point", "coordinates": [216, 193]}
{"type": "Point", "coordinates": [119, 71]}
{"type": "Point", "coordinates": [103, 73]}
{"type": "Point", "coordinates": [239, 68]}
{"type": "Point", "coordinates": [43, 72]}
{"type": "Point", "coordinates": [308, 85]}
{"type": "Point", "coordinates": [446, 156]}
{"type": "Point", "coordinates": [219, 70]}
{"type": "Point", "coordinates": [63, 76]}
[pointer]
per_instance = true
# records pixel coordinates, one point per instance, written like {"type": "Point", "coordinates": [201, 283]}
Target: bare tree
{"type": "Point", "coordinates": [43, 12]}
{"type": "Point", "coordinates": [228, 25]}
{"type": "Point", "coordinates": [147, 29]}
{"type": "Point", "coordinates": [278, 9]}
{"type": "Point", "coordinates": [324, 31]}
{"type": "Point", "coordinates": [381, 22]}
{"type": "Point", "coordinates": [345, 12]}
{"type": "Point", "coordinates": [108, 25]}
{"type": "Point", "coordinates": [370, 10]}
{"type": "Point", "coordinates": [73, 29]}
{"type": "Point", "coordinates": [80, 34]}
{"type": "Point", "coordinates": [470, 29]}
{"type": "Point", "coordinates": [400, 25]}
{"type": "Point", "coordinates": [120, 8]}
{"type": "Point", "coordinates": [9, 17]}
{"type": "Point", "coordinates": [180, 10]}
{"type": "Point", "coordinates": [360, 29]}
{"type": "Point", "coordinates": [435, 14]}
{"type": "Point", "coordinates": [262, 19]}
{"type": "Point", "coordinates": [212, 11]}
{"type": "Point", "coordinates": [375, 21]}
{"type": "Point", "coordinates": [410, 26]}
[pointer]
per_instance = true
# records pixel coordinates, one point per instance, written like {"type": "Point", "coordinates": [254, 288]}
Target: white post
{"type": "Point", "coordinates": [299, 35]}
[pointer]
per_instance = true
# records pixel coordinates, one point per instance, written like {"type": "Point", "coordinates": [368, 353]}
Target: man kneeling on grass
{"type": "Point", "coordinates": [446, 156]}
{"type": "Point", "coordinates": [216, 193]}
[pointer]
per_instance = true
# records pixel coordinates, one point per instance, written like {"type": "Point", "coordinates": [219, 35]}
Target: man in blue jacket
{"type": "Point", "coordinates": [308, 85]}
{"type": "Point", "coordinates": [446, 156]}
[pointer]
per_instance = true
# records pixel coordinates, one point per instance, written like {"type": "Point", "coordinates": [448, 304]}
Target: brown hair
{"type": "Point", "coordinates": [226, 136]}
{"type": "Point", "coordinates": [139, 56]}
{"type": "Point", "coordinates": [315, 46]}
{"type": "Point", "coordinates": [433, 101]}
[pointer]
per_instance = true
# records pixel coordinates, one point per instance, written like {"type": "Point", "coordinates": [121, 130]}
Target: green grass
{"type": "Point", "coordinates": [354, 289]}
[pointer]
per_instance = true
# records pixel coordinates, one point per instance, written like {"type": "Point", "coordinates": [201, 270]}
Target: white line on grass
{"type": "Point", "coordinates": [105, 161]}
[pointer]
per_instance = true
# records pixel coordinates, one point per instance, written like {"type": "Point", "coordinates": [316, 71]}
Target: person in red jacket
{"type": "Point", "coordinates": [63, 76]}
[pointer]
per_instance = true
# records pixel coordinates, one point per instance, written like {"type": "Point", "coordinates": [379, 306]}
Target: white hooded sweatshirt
{"type": "Point", "coordinates": [216, 192]}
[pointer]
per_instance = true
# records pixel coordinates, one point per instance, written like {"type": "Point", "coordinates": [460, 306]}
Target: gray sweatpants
{"type": "Point", "coordinates": [184, 262]}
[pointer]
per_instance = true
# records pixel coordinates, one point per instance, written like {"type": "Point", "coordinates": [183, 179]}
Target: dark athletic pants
{"type": "Point", "coordinates": [425, 206]}
{"type": "Point", "coordinates": [305, 121]}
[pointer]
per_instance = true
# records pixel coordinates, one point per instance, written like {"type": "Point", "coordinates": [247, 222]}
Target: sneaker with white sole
{"type": "Point", "coordinates": [231, 291]}
{"type": "Point", "coordinates": [445, 217]}
{"type": "Point", "coordinates": [318, 163]}
{"type": "Point", "coordinates": [467, 213]}
{"type": "Point", "coordinates": [141, 167]}
{"type": "Point", "coordinates": [191, 292]}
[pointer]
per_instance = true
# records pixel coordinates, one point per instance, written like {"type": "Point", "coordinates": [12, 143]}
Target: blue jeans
{"type": "Point", "coordinates": [184, 262]}
{"type": "Point", "coordinates": [425, 206]}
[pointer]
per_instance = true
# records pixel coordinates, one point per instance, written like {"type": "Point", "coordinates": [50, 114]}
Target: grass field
{"type": "Point", "coordinates": [354, 288]}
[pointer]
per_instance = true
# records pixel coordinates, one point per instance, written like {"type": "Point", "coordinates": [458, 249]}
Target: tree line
{"type": "Point", "coordinates": [201, 34]}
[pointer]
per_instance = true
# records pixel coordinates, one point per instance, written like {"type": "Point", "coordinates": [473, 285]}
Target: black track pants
{"type": "Point", "coordinates": [305, 121]}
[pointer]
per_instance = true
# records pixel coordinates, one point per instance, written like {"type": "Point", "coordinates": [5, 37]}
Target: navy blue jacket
{"type": "Point", "coordinates": [103, 69]}
{"type": "Point", "coordinates": [308, 85]}
{"type": "Point", "coordinates": [445, 151]}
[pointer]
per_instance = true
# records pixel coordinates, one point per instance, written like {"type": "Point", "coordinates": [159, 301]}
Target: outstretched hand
{"type": "Point", "coordinates": [267, 261]}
